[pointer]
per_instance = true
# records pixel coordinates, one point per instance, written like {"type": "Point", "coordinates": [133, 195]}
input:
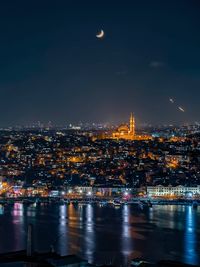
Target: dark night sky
{"type": "Point", "coordinates": [52, 67]}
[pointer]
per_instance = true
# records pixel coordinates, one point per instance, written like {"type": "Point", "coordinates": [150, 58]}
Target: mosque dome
{"type": "Point", "coordinates": [123, 128]}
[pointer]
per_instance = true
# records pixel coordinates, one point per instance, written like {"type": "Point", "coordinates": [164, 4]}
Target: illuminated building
{"type": "Point", "coordinates": [125, 131]}
{"type": "Point", "coordinates": [161, 191]}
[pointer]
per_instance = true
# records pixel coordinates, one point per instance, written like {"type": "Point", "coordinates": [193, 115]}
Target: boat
{"type": "Point", "coordinates": [37, 201]}
{"type": "Point", "coordinates": [144, 204]}
{"type": "Point", "coordinates": [116, 203]}
{"type": "Point", "coordinates": [141, 205]}
{"type": "Point", "coordinates": [149, 204]}
{"type": "Point", "coordinates": [67, 201]}
{"type": "Point", "coordinates": [102, 203]}
{"type": "Point", "coordinates": [139, 262]}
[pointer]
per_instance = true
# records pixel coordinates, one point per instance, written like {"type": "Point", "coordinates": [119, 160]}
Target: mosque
{"type": "Point", "coordinates": [125, 131]}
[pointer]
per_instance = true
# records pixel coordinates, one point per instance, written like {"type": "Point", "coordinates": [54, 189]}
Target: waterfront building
{"type": "Point", "coordinates": [162, 191]}
{"type": "Point", "coordinates": [98, 191]}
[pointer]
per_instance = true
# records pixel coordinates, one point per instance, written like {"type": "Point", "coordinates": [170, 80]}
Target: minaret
{"type": "Point", "coordinates": [132, 125]}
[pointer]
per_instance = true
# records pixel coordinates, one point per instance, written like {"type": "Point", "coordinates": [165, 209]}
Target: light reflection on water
{"type": "Point", "coordinates": [62, 237]}
{"type": "Point", "coordinates": [126, 234]}
{"type": "Point", "coordinates": [190, 255]}
{"type": "Point", "coordinates": [18, 211]}
{"type": "Point", "coordinates": [1, 210]}
{"type": "Point", "coordinates": [18, 226]}
{"type": "Point", "coordinates": [89, 233]}
{"type": "Point", "coordinates": [100, 233]}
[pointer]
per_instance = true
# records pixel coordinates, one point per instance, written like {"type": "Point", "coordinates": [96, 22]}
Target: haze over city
{"type": "Point", "coordinates": [54, 68]}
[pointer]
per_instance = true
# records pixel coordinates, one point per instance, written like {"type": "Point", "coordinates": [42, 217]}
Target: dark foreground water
{"type": "Point", "coordinates": [105, 234]}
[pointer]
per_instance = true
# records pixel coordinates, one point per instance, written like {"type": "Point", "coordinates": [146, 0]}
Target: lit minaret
{"type": "Point", "coordinates": [132, 125]}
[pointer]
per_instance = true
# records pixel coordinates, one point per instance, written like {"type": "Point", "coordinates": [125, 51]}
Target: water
{"type": "Point", "coordinates": [105, 234]}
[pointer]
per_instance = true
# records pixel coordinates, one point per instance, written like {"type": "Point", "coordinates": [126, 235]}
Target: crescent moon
{"type": "Point", "coordinates": [101, 34]}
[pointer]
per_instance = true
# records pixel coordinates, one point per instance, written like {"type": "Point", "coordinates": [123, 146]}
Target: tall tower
{"type": "Point", "coordinates": [132, 125]}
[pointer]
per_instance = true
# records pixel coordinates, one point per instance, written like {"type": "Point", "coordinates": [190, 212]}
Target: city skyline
{"type": "Point", "coordinates": [100, 133]}
{"type": "Point", "coordinates": [55, 68]}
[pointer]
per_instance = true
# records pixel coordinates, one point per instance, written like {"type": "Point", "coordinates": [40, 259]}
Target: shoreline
{"type": "Point", "coordinates": [105, 201]}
